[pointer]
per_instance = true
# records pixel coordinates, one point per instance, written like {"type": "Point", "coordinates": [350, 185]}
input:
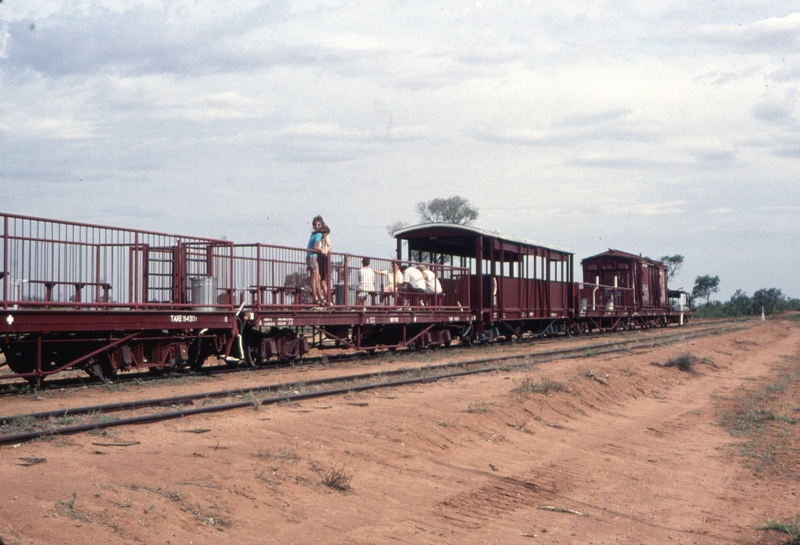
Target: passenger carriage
{"type": "Point", "coordinates": [517, 285]}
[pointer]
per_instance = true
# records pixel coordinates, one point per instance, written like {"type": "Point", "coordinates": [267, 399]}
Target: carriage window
{"type": "Point", "coordinates": [557, 271]}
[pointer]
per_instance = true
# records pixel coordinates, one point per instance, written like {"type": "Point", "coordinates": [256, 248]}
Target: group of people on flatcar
{"type": "Point", "coordinates": [407, 279]}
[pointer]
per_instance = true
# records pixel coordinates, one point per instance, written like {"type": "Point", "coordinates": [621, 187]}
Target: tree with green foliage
{"type": "Point", "coordinates": [705, 287]}
{"type": "Point", "coordinates": [673, 263]}
{"type": "Point", "coordinates": [453, 209]}
{"type": "Point", "coordinates": [770, 299]}
{"type": "Point", "coordinates": [740, 304]}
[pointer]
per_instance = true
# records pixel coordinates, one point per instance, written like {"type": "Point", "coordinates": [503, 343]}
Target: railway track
{"type": "Point", "coordinates": [135, 377]}
{"type": "Point", "coordinates": [20, 386]}
{"type": "Point", "coordinates": [66, 421]}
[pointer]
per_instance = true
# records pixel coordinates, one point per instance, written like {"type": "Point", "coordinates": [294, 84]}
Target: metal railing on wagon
{"type": "Point", "coordinates": [270, 277]}
{"type": "Point", "coordinates": [594, 299]}
{"type": "Point", "coordinates": [57, 265]}
{"type": "Point", "coordinates": [51, 264]}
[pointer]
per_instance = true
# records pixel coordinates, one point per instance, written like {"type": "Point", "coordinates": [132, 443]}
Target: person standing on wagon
{"type": "Point", "coordinates": [325, 261]}
{"type": "Point", "coordinates": [312, 261]}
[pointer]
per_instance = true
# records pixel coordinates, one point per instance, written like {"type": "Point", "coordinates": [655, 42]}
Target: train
{"type": "Point", "coordinates": [104, 300]}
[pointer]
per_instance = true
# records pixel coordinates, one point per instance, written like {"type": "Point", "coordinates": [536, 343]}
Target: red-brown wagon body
{"type": "Point", "coordinates": [102, 299]}
{"type": "Point", "coordinates": [517, 285]}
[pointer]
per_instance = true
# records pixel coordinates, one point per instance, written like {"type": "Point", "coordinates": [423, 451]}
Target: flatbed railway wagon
{"type": "Point", "coordinates": [78, 296]}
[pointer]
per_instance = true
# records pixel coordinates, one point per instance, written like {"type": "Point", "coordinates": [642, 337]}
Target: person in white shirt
{"type": "Point", "coordinates": [393, 278]}
{"type": "Point", "coordinates": [432, 284]}
{"type": "Point", "coordinates": [413, 280]}
{"type": "Point", "coordinates": [366, 281]}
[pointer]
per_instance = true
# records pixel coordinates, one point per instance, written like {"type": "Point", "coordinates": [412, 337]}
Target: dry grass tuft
{"type": "Point", "coordinates": [476, 408]}
{"type": "Point", "coordinates": [338, 479]}
{"type": "Point", "coordinates": [791, 528]}
{"type": "Point", "coordinates": [68, 509]}
{"type": "Point", "coordinates": [685, 362]}
{"type": "Point", "coordinates": [20, 424]}
{"type": "Point", "coordinates": [544, 386]}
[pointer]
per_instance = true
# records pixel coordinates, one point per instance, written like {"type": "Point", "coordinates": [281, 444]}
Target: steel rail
{"type": "Point", "coordinates": [176, 400]}
{"type": "Point", "coordinates": [553, 355]}
{"type": "Point", "coordinates": [10, 389]}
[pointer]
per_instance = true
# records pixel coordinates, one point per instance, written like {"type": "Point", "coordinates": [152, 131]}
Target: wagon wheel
{"type": "Point", "coordinates": [466, 336]}
{"type": "Point", "coordinates": [109, 371]}
{"type": "Point", "coordinates": [199, 352]}
{"type": "Point", "coordinates": [101, 368]}
{"type": "Point", "coordinates": [252, 350]}
{"type": "Point", "coordinates": [20, 359]}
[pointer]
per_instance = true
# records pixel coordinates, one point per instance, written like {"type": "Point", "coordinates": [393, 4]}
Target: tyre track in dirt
{"type": "Point", "coordinates": [621, 464]}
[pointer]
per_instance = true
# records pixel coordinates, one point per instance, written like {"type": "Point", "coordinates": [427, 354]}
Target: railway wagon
{"type": "Point", "coordinates": [518, 286]}
{"type": "Point", "coordinates": [523, 287]}
{"type": "Point", "coordinates": [104, 299]}
{"type": "Point", "coordinates": [621, 290]}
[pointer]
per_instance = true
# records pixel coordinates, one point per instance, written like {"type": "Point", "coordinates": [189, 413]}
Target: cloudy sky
{"type": "Point", "coordinates": [650, 127]}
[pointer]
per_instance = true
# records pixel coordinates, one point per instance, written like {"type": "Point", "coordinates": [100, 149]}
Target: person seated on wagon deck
{"type": "Point", "coordinates": [393, 278]}
{"type": "Point", "coordinates": [432, 284]}
{"type": "Point", "coordinates": [413, 280]}
{"type": "Point", "coordinates": [366, 281]}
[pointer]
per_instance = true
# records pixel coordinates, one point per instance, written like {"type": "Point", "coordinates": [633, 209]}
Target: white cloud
{"type": "Point", "coordinates": [775, 34]}
{"type": "Point", "coordinates": [647, 209]}
{"type": "Point", "coordinates": [778, 110]}
{"type": "Point", "coordinates": [44, 128]}
{"type": "Point", "coordinates": [557, 120]}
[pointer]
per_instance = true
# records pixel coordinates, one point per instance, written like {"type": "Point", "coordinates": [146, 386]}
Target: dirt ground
{"type": "Point", "coordinates": [599, 449]}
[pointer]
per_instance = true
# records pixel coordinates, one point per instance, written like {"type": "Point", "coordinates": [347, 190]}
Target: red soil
{"type": "Point", "coordinates": [628, 452]}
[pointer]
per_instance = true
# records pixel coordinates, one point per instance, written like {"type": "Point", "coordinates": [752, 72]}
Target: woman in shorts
{"type": "Point", "coordinates": [312, 261]}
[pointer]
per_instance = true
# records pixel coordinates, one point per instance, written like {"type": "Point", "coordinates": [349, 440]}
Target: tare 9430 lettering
{"type": "Point", "coordinates": [182, 318]}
